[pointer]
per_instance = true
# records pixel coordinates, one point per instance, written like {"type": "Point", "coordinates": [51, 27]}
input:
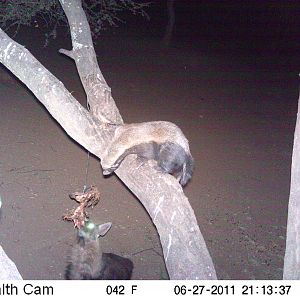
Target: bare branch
{"type": "Point", "coordinates": [101, 13]}
{"type": "Point", "coordinates": [67, 53]}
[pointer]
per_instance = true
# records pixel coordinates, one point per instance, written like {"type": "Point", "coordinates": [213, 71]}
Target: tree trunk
{"type": "Point", "coordinates": [170, 25]}
{"type": "Point", "coordinates": [291, 269]}
{"type": "Point", "coordinates": [184, 248]}
{"type": "Point", "coordinates": [8, 269]}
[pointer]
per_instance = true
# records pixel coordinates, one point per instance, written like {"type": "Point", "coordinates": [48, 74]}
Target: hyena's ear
{"type": "Point", "coordinates": [104, 228]}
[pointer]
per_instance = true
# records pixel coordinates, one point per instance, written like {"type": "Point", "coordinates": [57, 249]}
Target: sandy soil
{"type": "Point", "coordinates": [239, 116]}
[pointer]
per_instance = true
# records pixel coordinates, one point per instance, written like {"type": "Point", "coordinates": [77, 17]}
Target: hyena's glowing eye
{"type": "Point", "coordinates": [90, 226]}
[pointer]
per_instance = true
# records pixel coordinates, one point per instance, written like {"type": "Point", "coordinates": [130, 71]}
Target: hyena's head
{"type": "Point", "coordinates": [91, 232]}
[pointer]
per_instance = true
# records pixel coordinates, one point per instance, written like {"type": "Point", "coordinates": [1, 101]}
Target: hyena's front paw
{"type": "Point", "coordinates": [108, 168]}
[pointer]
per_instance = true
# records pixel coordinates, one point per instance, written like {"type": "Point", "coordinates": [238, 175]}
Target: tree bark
{"type": "Point", "coordinates": [291, 269]}
{"type": "Point", "coordinates": [8, 269]}
{"type": "Point", "coordinates": [184, 248]}
{"type": "Point", "coordinates": [170, 25]}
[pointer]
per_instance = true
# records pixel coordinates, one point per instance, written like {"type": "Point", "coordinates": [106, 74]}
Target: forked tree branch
{"type": "Point", "coordinates": [184, 248]}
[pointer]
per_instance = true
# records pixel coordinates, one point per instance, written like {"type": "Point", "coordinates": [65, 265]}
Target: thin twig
{"type": "Point", "coordinates": [149, 249]}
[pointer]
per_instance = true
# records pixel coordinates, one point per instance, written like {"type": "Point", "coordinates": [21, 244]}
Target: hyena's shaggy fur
{"type": "Point", "coordinates": [87, 261]}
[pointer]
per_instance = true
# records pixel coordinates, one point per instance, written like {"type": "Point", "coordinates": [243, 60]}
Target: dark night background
{"type": "Point", "coordinates": [229, 79]}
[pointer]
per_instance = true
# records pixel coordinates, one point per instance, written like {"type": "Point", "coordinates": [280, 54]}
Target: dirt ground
{"type": "Point", "coordinates": [238, 113]}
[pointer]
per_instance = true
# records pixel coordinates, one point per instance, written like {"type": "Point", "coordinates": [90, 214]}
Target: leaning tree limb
{"type": "Point", "coordinates": [99, 98]}
{"type": "Point", "coordinates": [184, 248]}
{"type": "Point", "coordinates": [291, 269]}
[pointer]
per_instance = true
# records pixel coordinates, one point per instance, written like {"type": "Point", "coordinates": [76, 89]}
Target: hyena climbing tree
{"type": "Point", "coordinates": [184, 248]}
